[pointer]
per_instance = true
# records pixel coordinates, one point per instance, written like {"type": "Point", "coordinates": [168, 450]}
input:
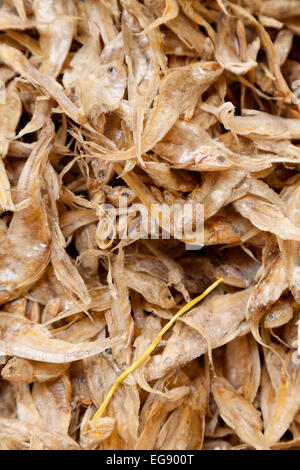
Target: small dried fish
{"type": "Point", "coordinates": [17, 61]}
{"type": "Point", "coordinates": [155, 412]}
{"type": "Point", "coordinates": [53, 402]}
{"type": "Point", "coordinates": [9, 20]}
{"type": "Point", "coordinates": [232, 50]}
{"type": "Point", "coordinates": [64, 270]}
{"type": "Point", "coordinates": [143, 74]}
{"type": "Point", "coordinates": [118, 118]}
{"type": "Point", "coordinates": [239, 414]}
{"type": "Point", "coordinates": [26, 371]}
{"type": "Point", "coordinates": [279, 314]}
{"type": "Point", "coordinates": [267, 216]}
{"type": "Point", "coordinates": [23, 338]}
{"type": "Point", "coordinates": [290, 248]}
{"type": "Point", "coordinates": [55, 24]}
{"type": "Point", "coordinates": [258, 123]}
{"type": "Point", "coordinates": [23, 433]}
{"type": "Point", "coordinates": [41, 114]}
{"type": "Point", "coordinates": [25, 250]}
{"type": "Point", "coordinates": [243, 366]}
{"type": "Point", "coordinates": [175, 99]}
{"type": "Point", "coordinates": [206, 321]}
{"type": "Point", "coordinates": [10, 112]}
{"type": "Point", "coordinates": [285, 402]}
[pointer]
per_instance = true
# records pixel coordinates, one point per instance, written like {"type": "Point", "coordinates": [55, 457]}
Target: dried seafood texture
{"type": "Point", "coordinates": [10, 116]}
{"type": "Point", "coordinates": [280, 401]}
{"type": "Point", "coordinates": [96, 86]}
{"type": "Point", "coordinates": [178, 95]}
{"type": "Point", "coordinates": [239, 414]}
{"type": "Point", "coordinates": [115, 117]}
{"type": "Point", "coordinates": [25, 371]}
{"type": "Point", "coordinates": [23, 338]}
{"type": "Point", "coordinates": [258, 123]}
{"type": "Point", "coordinates": [24, 251]}
{"type": "Point", "coordinates": [18, 62]}
{"type": "Point", "coordinates": [211, 325]}
{"type": "Point", "coordinates": [143, 73]}
{"type": "Point", "coordinates": [55, 23]}
{"type": "Point", "coordinates": [232, 50]}
{"type": "Point", "coordinates": [103, 371]}
{"type": "Point", "coordinates": [243, 366]}
{"type": "Point", "coordinates": [290, 248]}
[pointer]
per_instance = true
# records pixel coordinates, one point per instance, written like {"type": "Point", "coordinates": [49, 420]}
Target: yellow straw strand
{"type": "Point", "coordinates": [152, 346]}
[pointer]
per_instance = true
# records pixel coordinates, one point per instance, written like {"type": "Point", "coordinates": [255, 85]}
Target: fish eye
{"type": "Point", "coordinates": [111, 69]}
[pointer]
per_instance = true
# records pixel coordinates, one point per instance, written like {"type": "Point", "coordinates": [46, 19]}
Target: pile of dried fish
{"type": "Point", "coordinates": [108, 107]}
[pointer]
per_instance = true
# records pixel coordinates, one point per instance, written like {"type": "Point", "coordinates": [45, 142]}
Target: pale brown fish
{"type": "Point", "coordinates": [24, 252]}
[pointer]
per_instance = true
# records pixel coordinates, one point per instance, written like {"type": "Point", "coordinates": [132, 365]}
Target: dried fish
{"type": "Point", "coordinates": [143, 74]}
{"type": "Point", "coordinates": [175, 99]}
{"type": "Point", "coordinates": [26, 371]}
{"type": "Point", "coordinates": [10, 112]}
{"type": "Point", "coordinates": [285, 403]}
{"type": "Point", "coordinates": [232, 50]}
{"type": "Point", "coordinates": [147, 150]}
{"type": "Point", "coordinates": [53, 402]}
{"type": "Point", "coordinates": [17, 61]}
{"type": "Point", "coordinates": [208, 321]}
{"type": "Point", "coordinates": [23, 338]}
{"type": "Point", "coordinates": [55, 24]}
{"type": "Point", "coordinates": [25, 250]}
{"type": "Point", "coordinates": [290, 248]}
{"type": "Point", "coordinates": [239, 414]}
{"type": "Point", "coordinates": [243, 366]}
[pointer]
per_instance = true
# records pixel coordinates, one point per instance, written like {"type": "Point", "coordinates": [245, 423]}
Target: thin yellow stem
{"type": "Point", "coordinates": [152, 346]}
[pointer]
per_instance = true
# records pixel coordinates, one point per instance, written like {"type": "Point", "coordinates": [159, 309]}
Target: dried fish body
{"type": "Point", "coordinates": [178, 96]}
{"type": "Point", "coordinates": [243, 366]}
{"type": "Point", "coordinates": [9, 122]}
{"type": "Point", "coordinates": [55, 24]}
{"type": "Point", "coordinates": [151, 288]}
{"type": "Point", "coordinates": [239, 414]}
{"type": "Point", "coordinates": [23, 338]}
{"type": "Point", "coordinates": [26, 371]}
{"type": "Point", "coordinates": [24, 432]}
{"type": "Point", "coordinates": [53, 402]}
{"type": "Point", "coordinates": [9, 20]}
{"type": "Point", "coordinates": [65, 272]}
{"type": "Point", "coordinates": [42, 113]}
{"type": "Point", "coordinates": [185, 147]}
{"type": "Point", "coordinates": [101, 372]}
{"type": "Point", "coordinates": [143, 74]}
{"type": "Point", "coordinates": [109, 109]}
{"type": "Point", "coordinates": [17, 61]}
{"type": "Point", "coordinates": [279, 314]}
{"type": "Point", "coordinates": [18, 269]}
{"type": "Point", "coordinates": [97, 85]}
{"type": "Point", "coordinates": [232, 50]}
{"type": "Point", "coordinates": [226, 227]}
{"type": "Point", "coordinates": [284, 401]}
{"type": "Point", "coordinates": [267, 216]}
{"type": "Point", "coordinates": [290, 248]}
{"type": "Point", "coordinates": [205, 322]}
{"type": "Point", "coordinates": [92, 436]}
{"type": "Point", "coordinates": [258, 123]}
{"type": "Point", "coordinates": [156, 410]}
{"type": "Point", "coordinates": [278, 9]}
